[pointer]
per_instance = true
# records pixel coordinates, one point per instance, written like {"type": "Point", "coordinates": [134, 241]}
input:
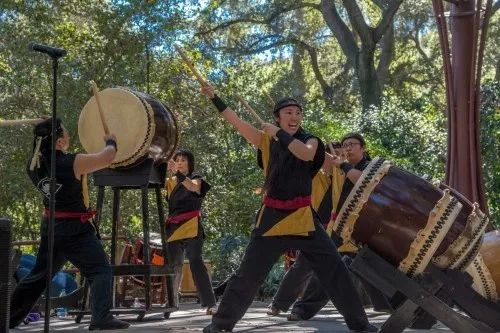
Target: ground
{"type": "Point", "coordinates": [191, 318]}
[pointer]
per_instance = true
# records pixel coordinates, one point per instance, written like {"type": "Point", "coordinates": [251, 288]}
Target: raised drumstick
{"type": "Point", "coordinates": [269, 98]}
{"type": "Point", "coordinates": [99, 107]}
{"type": "Point", "coordinates": [331, 148]}
{"type": "Point", "coordinates": [191, 66]}
{"type": "Point", "coordinates": [250, 110]}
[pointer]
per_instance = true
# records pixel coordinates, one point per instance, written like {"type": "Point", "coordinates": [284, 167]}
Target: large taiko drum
{"type": "Point", "coordinates": [485, 269]}
{"type": "Point", "coordinates": [144, 127]}
{"type": "Point", "coordinates": [409, 221]}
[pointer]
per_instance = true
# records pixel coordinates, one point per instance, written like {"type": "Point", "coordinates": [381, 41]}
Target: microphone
{"type": "Point", "coordinates": [54, 52]}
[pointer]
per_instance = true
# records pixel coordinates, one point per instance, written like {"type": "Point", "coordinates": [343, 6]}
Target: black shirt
{"type": "Point", "coordinates": [181, 200]}
{"type": "Point", "coordinates": [69, 197]}
{"type": "Point", "coordinates": [348, 185]}
{"type": "Point", "coordinates": [287, 176]}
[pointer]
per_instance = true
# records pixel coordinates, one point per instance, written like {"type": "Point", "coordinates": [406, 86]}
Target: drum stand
{"type": "Point", "coordinates": [141, 177]}
{"type": "Point", "coordinates": [432, 292]}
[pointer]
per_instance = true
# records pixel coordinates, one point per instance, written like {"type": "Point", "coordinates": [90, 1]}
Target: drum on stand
{"type": "Point", "coordinates": [409, 221]}
{"type": "Point", "coordinates": [144, 127]}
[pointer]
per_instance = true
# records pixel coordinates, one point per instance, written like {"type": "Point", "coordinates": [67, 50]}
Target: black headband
{"type": "Point", "coordinates": [283, 103]}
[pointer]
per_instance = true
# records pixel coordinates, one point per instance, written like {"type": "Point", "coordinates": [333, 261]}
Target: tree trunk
{"type": "Point", "coordinates": [369, 85]}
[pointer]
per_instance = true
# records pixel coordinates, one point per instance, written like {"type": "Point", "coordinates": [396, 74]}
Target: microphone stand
{"type": "Point", "coordinates": [52, 197]}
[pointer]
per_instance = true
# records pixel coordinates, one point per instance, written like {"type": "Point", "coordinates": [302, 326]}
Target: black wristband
{"type": "Point", "coordinates": [346, 167]}
{"type": "Point", "coordinates": [284, 138]}
{"type": "Point", "coordinates": [180, 176]}
{"type": "Point", "coordinates": [111, 142]}
{"type": "Point", "coordinates": [219, 103]}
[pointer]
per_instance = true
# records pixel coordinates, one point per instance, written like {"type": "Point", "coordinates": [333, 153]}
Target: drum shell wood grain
{"type": "Point", "coordinates": [490, 251]}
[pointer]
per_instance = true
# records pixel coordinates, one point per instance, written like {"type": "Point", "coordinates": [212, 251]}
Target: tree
{"type": "Point", "coordinates": [358, 40]}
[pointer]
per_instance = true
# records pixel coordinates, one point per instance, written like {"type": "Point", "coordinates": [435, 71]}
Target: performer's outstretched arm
{"type": "Point", "coordinates": [351, 173]}
{"type": "Point", "coordinates": [87, 163]}
{"type": "Point", "coordinates": [250, 133]}
{"type": "Point", "coordinates": [301, 150]}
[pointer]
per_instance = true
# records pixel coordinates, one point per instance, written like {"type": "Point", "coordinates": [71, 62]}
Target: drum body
{"type": "Point", "coordinates": [144, 127]}
{"type": "Point", "coordinates": [409, 221]}
{"type": "Point", "coordinates": [485, 269]}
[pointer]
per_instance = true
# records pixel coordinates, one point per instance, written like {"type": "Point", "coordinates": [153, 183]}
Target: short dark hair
{"type": "Point", "coordinates": [284, 102]}
{"type": "Point", "coordinates": [188, 155]}
{"type": "Point", "coordinates": [354, 135]}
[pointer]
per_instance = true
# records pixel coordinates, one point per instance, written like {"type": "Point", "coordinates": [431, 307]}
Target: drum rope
{"type": "Point", "coordinates": [436, 231]}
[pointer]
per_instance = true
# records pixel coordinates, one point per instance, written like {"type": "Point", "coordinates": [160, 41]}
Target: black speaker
{"type": "Point", "coordinates": [5, 273]}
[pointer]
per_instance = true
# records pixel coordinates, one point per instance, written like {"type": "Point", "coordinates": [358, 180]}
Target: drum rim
{"type": "Point", "coordinates": [143, 148]}
{"type": "Point", "coordinates": [355, 201]}
{"type": "Point", "coordinates": [482, 278]}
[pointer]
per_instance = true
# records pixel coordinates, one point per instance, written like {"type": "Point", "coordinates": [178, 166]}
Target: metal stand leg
{"type": "Point", "coordinates": [168, 279]}
{"type": "Point", "coordinates": [115, 218]}
{"type": "Point", "coordinates": [146, 246]}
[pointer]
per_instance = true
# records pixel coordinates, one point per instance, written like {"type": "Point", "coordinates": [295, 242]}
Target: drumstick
{"type": "Point", "coordinates": [99, 107]}
{"type": "Point", "coordinates": [269, 98]}
{"type": "Point", "coordinates": [331, 148]}
{"type": "Point", "coordinates": [249, 109]}
{"type": "Point", "coordinates": [14, 122]}
{"type": "Point", "coordinates": [191, 66]}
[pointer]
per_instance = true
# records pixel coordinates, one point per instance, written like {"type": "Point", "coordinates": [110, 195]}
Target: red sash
{"type": "Point", "coordinates": [291, 204]}
{"type": "Point", "coordinates": [183, 217]}
{"type": "Point", "coordinates": [83, 216]}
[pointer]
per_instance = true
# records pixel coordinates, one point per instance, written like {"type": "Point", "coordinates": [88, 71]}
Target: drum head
{"type": "Point", "coordinates": [128, 117]}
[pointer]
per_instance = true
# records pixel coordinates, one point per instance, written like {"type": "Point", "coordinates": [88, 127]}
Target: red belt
{"type": "Point", "coordinates": [294, 203]}
{"type": "Point", "coordinates": [333, 217]}
{"type": "Point", "coordinates": [183, 217]}
{"type": "Point", "coordinates": [83, 216]}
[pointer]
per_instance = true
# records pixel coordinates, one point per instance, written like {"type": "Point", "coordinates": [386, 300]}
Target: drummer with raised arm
{"type": "Point", "coordinates": [75, 237]}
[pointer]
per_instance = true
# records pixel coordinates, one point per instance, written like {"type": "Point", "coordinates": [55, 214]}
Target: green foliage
{"type": "Point", "coordinates": [412, 133]}
{"type": "Point", "coordinates": [490, 147]}
{"type": "Point", "coordinates": [129, 43]}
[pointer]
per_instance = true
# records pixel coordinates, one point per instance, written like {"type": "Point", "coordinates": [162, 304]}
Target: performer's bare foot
{"type": "Point", "coordinates": [212, 310]}
{"type": "Point", "coordinates": [273, 311]}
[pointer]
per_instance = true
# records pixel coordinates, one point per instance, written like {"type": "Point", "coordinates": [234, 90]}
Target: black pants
{"type": "Point", "coordinates": [260, 256]}
{"type": "Point", "coordinates": [294, 282]}
{"type": "Point", "coordinates": [193, 248]}
{"type": "Point", "coordinates": [84, 250]}
{"type": "Point", "coordinates": [315, 297]}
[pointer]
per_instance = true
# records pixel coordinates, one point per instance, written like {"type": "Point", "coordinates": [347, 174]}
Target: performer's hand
{"type": "Point", "coordinates": [171, 166]}
{"type": "Point", "coordinates": [328, 164]}
{"type": "Point", "coordinates": [208, 91]}
{"type": "Point", "coordinates": [337, 161]}
{"type": "Point", "coordinates": [270, 129]}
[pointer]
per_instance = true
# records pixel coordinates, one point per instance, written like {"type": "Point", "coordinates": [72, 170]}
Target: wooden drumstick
{"type": "Point", "coordinates": [14, 122]}
{"type": "Point", "coordinates": [99, 107]}
{"type": "Point", "coordinates": [249, 109]}
{"type": "Point", "coordinates": [331, 148]}
{"type": "Point", "coordinates": [269, 98]}
{"type": "Point", "coordinates": [191, 66]}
